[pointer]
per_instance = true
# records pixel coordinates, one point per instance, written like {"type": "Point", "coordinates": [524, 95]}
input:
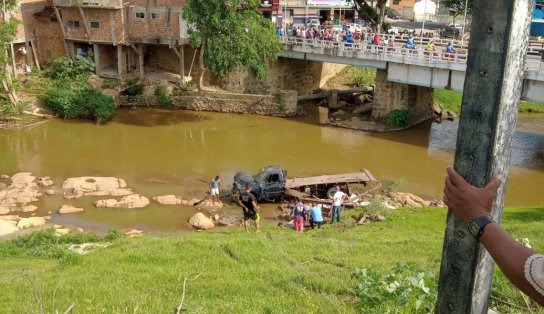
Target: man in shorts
{"type": "Point", "coordinates": [214, 188]}
{"type": "Point", "coordinates": [251, 210]}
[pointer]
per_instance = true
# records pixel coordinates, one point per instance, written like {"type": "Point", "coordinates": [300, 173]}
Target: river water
{"type": "Point", "coordinates": [177, 152]}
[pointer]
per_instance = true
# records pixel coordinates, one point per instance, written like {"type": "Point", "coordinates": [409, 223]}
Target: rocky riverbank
{"type": "Point", "coordinates": [20, 192]}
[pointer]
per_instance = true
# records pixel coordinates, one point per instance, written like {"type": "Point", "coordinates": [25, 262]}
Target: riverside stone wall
{"type": "Point", "coordinates": [282, 104]}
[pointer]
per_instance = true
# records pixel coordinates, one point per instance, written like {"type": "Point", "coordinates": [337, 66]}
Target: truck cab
{"type": "Point", "coordinates": [267, 185]}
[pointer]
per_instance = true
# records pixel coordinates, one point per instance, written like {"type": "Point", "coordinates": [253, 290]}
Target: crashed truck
{"type": "Point", "coordinates": [271, 184]}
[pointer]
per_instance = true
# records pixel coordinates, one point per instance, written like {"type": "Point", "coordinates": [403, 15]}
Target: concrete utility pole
{"type": "Point", "coordinates": [493, 84]}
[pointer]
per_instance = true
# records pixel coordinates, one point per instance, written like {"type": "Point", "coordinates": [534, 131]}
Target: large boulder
{"type": "Point", "coordinates": [67, 209]}
{"type": "Point", "coordinates": [31, 222]}
{"type": "Point", "coordinates": [169, 199]}
{"type": "Point", "coordinates": [109, 203]}
{"type": "Point", "coordinates": [28, 208]}
{"type": "Point", "coordinates": [200, 221]}
{"type": "Point", "coordinates": [209, 204]}
{"type": "Point", "coordinates": [133, 201]}
{"type": "Point", "coordinates": [99, 186]}
{"type": "Point", "coordinates": [129, 201]}
{"type": "Point", "coordinates": [23, 180]}
{"type": "Point", "coordinates": [7, 227]}
{"type": "Point", "coordinates": [407, 199]}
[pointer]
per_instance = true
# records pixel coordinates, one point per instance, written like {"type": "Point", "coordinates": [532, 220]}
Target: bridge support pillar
{"type": "Point", "coordinates": [389, 96]}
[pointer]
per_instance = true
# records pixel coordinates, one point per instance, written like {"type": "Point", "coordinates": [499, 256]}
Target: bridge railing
{"type": "Point", "coordinates": [364, 50]}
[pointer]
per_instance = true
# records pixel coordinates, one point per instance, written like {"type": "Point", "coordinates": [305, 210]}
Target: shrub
{"type": "Point", "coordinates": [67, 69]}
{"type": "Point", "coordinates": [188, 87]}
{"type": "Point", "coordinates": [133, 87]}
{"type": "Point", "coordinates": [162, 98]}
{"type": "Point", "coordinates": [377, 207]}
{"type": "Point", "coordinates": [397, 118]}
{"type": "Point", "coordinates": [72, 102]}
{"type": "Point", "coordinates": [405, 290]}
{"type": "Point", "coordinates": [98, 106]}
{"type": "Point", "coordinates": [62, 100]}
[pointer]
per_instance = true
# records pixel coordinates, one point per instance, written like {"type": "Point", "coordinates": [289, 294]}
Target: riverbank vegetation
{"type": "Point", "coordinates": [451, 100]}
{"type": "Point", "coordinates": [275, 271]}
{"type": "Point", "coordinates": [71, 96]}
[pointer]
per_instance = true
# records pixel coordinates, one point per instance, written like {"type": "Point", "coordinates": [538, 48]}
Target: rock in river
{"type": "Point", "coordinates": [31, 222]}
{"type": "Point", "coordinates": [45, 181]}
{"type": "Point", "coordinates": [7, 227]}
{"type": "Point", "coordinates": [129, 201]}
{"type": "Point", "coordinates": [200, 221]}
{"type": "Point", "coordinates": [101, 186]}
{"type": "Point", "coordinates": [66, 209]}
{"type": "Point", "coordinates": [169, 199]}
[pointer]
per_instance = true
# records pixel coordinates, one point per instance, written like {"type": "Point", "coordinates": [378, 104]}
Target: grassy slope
{"type": "Point", "coordinates": [451, 101]}
{"type": "Point", "coordinates": [277, 271]}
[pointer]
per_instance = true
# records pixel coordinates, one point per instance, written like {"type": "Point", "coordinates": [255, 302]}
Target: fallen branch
{"type": "Point", "coordinates": [183, 293]}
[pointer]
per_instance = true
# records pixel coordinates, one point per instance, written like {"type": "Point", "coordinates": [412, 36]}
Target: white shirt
{"type": "Point", "coordinates": [337, 198]}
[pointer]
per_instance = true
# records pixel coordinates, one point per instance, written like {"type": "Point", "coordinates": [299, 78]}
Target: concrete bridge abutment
{"type": "Point", "coordinates": [389, 96]}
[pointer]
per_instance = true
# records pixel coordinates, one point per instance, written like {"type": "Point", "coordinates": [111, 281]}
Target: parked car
{"type": "Point", "coordinates": [314, 23]}
{"type": "Point", "coordinates": [450, 32]}
{"type": "Point", "coordinates": [395, 30]}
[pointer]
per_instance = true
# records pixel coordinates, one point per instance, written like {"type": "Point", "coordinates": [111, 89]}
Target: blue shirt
{"type": "Point", "coordinates": [215, 184]}
{"type": "Point", "coordinates": [316, 214]}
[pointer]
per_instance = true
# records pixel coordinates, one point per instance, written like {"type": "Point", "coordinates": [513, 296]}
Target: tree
{"type": "Point", "coordinates": [368, 13]}
{"type": "Point", "coordinates": [457, 7]}
{"type": "Point", "coordinates": [231, 33]}
{"type": "Point", "coordinates": [8, 30]}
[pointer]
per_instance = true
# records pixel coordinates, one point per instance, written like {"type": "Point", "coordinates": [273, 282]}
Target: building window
{"type": "Point", "coordinates": [156, 16]}
{"type": "Point", "coordinates": [396, 2]}
{"type": "Point", "coordinates": [73, 24]}
{"type": "Point", "coordinates": [140, 15]}
{"type": "Point", "coordinates": [95, 24]}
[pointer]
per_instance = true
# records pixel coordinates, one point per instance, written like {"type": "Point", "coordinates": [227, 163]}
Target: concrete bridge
{"type": "Point", "coordinates": [405, 77]}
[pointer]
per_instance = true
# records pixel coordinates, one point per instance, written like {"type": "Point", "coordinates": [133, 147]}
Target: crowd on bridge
{"type": "Point", "coordinates": [364, 38]}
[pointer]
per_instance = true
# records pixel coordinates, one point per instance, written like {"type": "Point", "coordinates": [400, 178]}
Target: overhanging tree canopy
{"type": "Point", "coordinates": [8, 30]}
{"type": "Point", "coordinates": [457, 7]}
{"type": "Point", "coordinates": [368, 13]}
{"type": "Point", "coordinates": [231, 33]}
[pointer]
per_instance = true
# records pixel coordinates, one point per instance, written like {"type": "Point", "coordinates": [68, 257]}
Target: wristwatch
{"type": "Point", "coordinates": [476, 227]}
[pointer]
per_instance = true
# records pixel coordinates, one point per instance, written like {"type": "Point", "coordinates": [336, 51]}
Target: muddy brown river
{"type": "Point", "coordinates": [177, 152]}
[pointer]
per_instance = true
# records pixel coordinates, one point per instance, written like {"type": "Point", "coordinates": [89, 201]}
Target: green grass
{"type": "Point", "coordinates": [451, 101]}
{"type": "Point", "coordinates": [276, 271]}
{"type": "Point", "coordinates": [448, 99]}
{"type": "Point", "coordinates": [355, 76]}
{"type": "Point", "coordinates": [527, 106]}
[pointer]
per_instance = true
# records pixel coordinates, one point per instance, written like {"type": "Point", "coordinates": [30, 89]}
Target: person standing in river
{"type": "Point", "coordinates": [214, 188]}
{"type": "Point", "coordinates": [248, 202]}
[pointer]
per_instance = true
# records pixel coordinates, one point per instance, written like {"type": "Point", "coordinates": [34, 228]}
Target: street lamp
{"type": "Point", "coordinates": [464, 21]}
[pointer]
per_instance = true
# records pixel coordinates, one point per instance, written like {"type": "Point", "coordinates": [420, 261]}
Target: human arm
{"type": "Point", "coordinates": [468, 203]}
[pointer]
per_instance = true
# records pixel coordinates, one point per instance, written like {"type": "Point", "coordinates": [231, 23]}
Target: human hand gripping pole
{"type": "Point", "coordinates": [466, 201]}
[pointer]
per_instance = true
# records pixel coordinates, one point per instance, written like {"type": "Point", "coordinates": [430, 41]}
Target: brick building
{"type": "Point", "coordinates": [120, 37]}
